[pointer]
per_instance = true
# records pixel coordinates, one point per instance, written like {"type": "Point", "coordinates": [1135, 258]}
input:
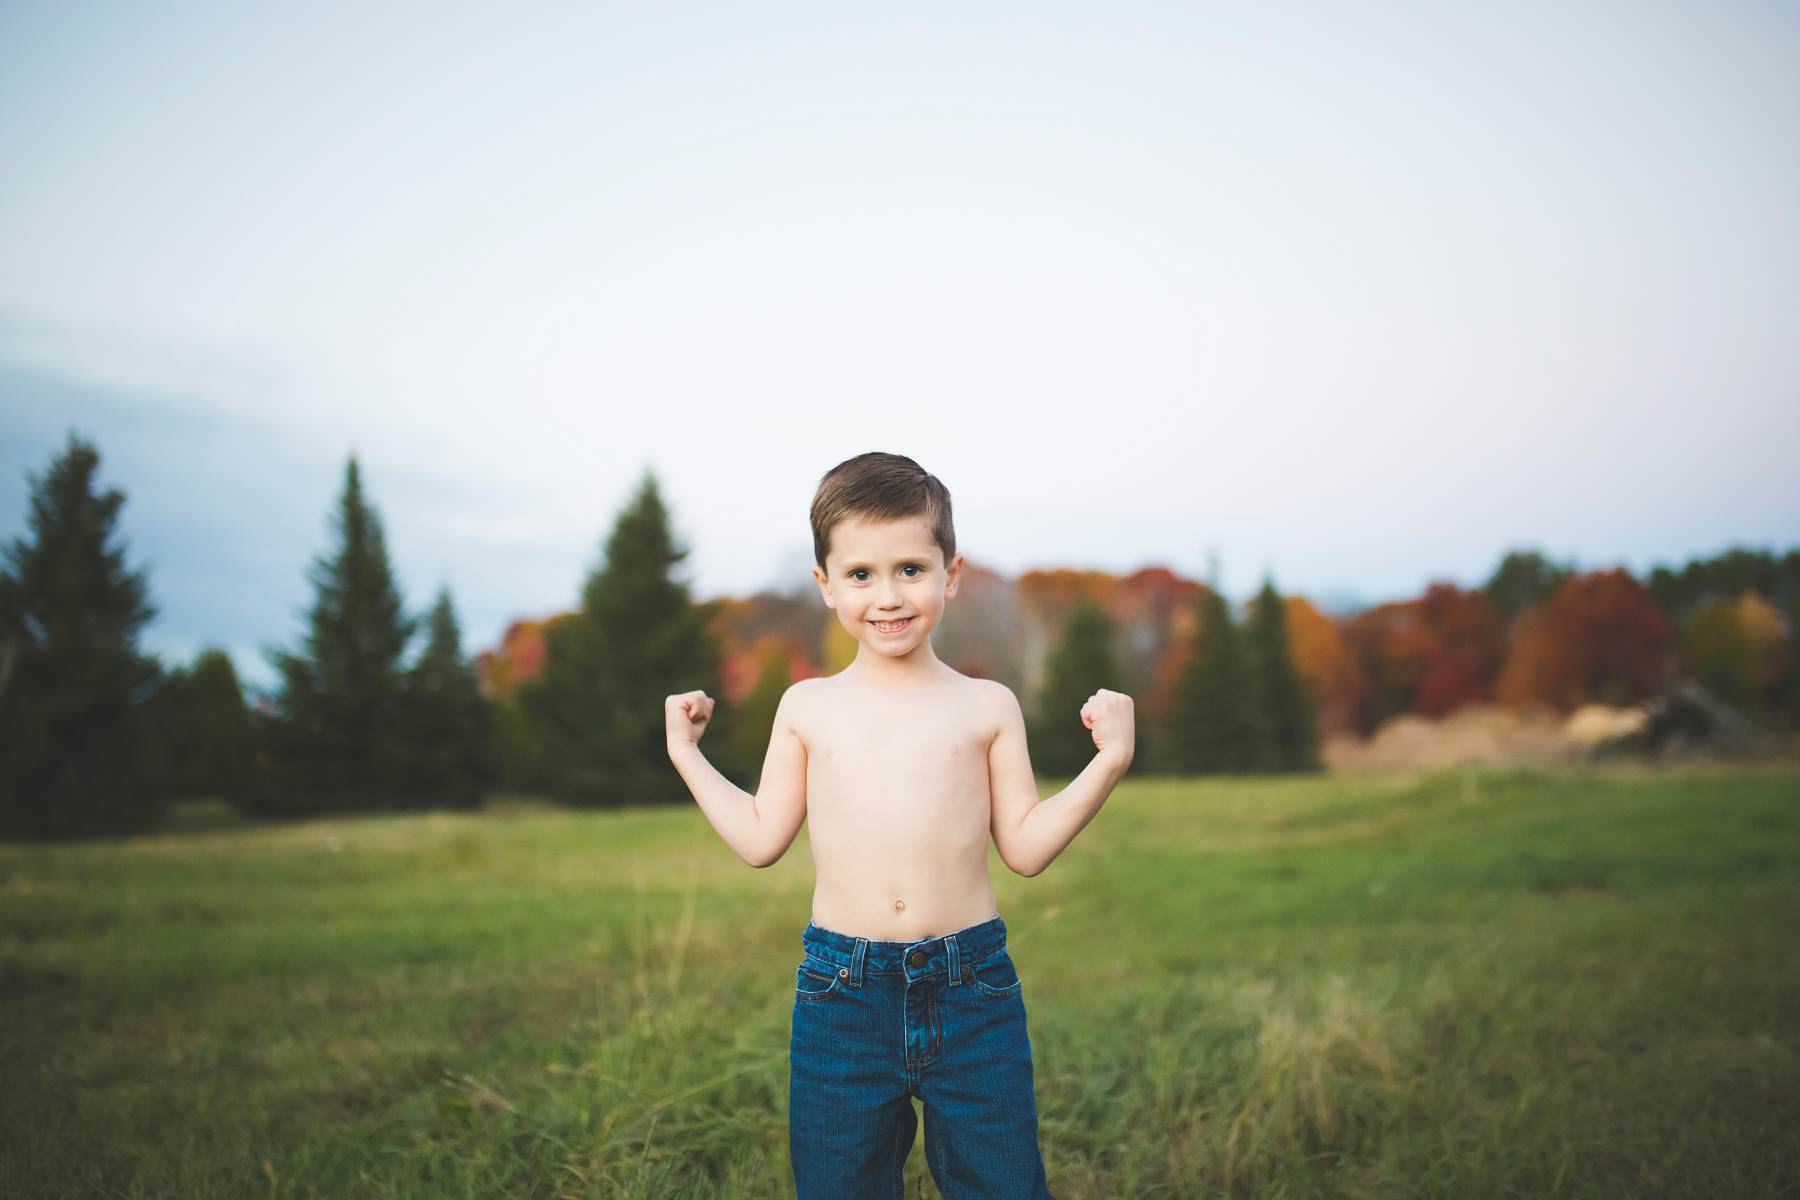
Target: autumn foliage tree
{"type": "Point", "coordinates": [756, 711]}
{"type": "Point", "coordinates": [1331, 671]}
{"type": "Point", "coordinates": [1393, 646]}
{"type": "Point", "coordinates": [1601, 639]}
{"type": "Point", "coordinates": [1469, 643]}
{"type": "Point", "coordinates": [1738, 650]}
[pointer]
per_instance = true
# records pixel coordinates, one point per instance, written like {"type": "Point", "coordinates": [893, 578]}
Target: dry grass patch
{"type": "Point", "coordinates": [1326, 1062]}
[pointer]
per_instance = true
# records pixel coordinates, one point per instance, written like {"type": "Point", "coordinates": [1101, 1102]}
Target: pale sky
{"type": "Point", "coordinates": [1360, 295]}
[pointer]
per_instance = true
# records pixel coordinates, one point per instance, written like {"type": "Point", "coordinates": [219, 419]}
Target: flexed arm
{"type": "Point", "coordinates": [758, 828]}
{"type": "Point", "coordinates": [1030, 833]}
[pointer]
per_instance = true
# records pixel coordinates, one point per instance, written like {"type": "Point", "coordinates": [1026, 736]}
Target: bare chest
{"type": "Point", "coordinates": [898, 768]}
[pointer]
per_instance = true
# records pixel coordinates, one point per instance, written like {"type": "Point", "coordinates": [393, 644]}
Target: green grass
{"type": "Point", "coordinates": [1461, 984]}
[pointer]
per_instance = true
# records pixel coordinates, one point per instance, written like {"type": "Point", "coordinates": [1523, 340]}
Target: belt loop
{"type": "Point", "coordinates": [952, 953]}
{"type": "Point", "coordinates": [856, 961]}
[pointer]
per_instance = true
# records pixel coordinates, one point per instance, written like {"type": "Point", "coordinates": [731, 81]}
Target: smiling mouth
{"type": "Point", "coordinates": [892, 626]}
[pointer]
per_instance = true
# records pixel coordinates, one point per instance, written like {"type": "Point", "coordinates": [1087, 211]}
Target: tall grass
{"type": "Point", "coordinates": [1461, 983]}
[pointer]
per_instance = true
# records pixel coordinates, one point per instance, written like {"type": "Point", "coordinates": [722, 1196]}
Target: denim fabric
{"type": "Point", "coordinates": [877, 1023]}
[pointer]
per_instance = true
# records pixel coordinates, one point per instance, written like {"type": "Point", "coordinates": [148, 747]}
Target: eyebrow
{"type": "Point", "coordinates": [905, 562]}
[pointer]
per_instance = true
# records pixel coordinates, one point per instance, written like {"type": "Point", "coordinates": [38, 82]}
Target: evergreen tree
{"type": "Point", "coordinates": [1293, 730]}
{"type": "Point", "coordinates": [211, 738]}
{"type": "Point", "coordinates": [597, 706]}
{"type": "Point", "coordinates": [80, 751]}
{"type": "Point", "coordinates": [449, 724]}
{"type": "Point", "coordinates": [1216, 720]}
{"type": "Point", "coordinates": [1524, 578]}
{"type": "Point", "coordinates": [340, 741]}
{"type": "Point", "coordinates": [1081, 663]}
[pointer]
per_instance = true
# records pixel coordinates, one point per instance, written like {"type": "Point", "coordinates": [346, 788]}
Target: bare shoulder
{"type": "Point", "coordinates": [801, 701]}
{"type": "Point", "coordinates": [991, 704]}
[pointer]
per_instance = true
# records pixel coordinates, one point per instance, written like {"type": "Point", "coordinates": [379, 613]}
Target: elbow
{"type": "Point", "coordinates": [765, 856]}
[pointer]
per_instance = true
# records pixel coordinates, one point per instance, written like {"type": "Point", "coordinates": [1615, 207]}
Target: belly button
{"type": "Point", "coordinates": [899, 906]}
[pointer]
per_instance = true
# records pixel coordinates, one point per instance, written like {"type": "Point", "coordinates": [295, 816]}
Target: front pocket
{"type": "Point", "coordinates": [812, 983]}
{"type": "Point", "coordinates": [995, 977]}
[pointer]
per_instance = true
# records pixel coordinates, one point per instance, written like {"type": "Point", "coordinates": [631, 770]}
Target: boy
{"type": "Point", "coordinates": [902, 767]}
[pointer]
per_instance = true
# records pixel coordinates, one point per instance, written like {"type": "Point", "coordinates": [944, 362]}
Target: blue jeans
{"type": "Point", "coordinates": [877, 1023]}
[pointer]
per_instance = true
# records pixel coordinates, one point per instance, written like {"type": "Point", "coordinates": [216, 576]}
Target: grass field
{"type": "Point", "coordinates": [1462, 984]}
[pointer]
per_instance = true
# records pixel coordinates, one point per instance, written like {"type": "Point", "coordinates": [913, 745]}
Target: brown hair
{"type": "Point", "coordinates": [881, 487]}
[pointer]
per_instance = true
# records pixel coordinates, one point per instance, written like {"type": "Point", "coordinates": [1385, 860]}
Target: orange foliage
{"type": "Point", "coordinates": [1181, 644]}
{"type": "Point", "coordinates": [1152, 610]}
{"type": "Point", "coordinates": [1330, 670]}
{"type": "Point", "coordinates": [1601, 638]}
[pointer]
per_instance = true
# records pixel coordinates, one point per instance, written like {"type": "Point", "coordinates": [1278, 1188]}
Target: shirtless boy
{"type": "Point", "coordinates": [902, 768]}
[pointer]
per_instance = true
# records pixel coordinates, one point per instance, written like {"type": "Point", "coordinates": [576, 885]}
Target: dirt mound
{"type": "Point", "coordinates": [1593, 724]}
{"type": "Point", "coordinates": [1478, 733]}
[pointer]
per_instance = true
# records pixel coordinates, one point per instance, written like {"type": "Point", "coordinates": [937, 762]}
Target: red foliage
{"type": "Point", "coordinates": [1431, 655]}
{"type": "Point", "coordinates": [519, 658]}
{"type": "Point", "coordinates": [1600, 638]}
{"type": "Point", "coordinates": [739, 667]}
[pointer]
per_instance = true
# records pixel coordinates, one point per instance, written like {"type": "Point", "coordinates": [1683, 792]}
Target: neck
{"type": "Point", "coordinates": [915, 664]}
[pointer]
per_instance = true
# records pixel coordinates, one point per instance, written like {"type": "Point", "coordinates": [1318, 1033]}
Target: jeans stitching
{"type": "Point", "coordinates": [943, 1170]}
{"type": "Point", "coordinates": [808, 997]}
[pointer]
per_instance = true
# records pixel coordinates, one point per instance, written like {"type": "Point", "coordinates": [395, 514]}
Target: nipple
{"type": "Point", "coordinates": [899, 906]}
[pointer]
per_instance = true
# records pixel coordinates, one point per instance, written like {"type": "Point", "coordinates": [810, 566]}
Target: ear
{"type": "Point", "coordinates": [824, 588]}
{"type": "Point", "coordinates": [954, 574]}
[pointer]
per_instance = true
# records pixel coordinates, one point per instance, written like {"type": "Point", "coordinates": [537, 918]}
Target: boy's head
{"type": "Point", "coordinates": [885, 549]}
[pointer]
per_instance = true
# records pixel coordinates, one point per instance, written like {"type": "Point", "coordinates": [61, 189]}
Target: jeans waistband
{"type": "Point", "coordinates": [946, 955]}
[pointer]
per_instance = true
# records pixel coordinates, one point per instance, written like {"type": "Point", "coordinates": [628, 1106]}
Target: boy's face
{"type": "Point", "coordinates": [887, 571]}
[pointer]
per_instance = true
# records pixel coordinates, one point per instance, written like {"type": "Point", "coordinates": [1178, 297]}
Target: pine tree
{"type": "Point", "coordinates": [1216, 720]}
{"type": "Point", "coordinates": [597, 706]}
{"type": "Point", "coordinates": [1286, 703]}
{"type": "Point", "coordinates": [340, 740]}
{"type": "Point", "coordinates": [211, 742]}
{"type": "Point", "coordinates": [450, 728]}
{"type": "Point", "coordinates": [1524, 578]}
{"type": "Point", "coordinates": [80, 751]}
{"type": "Point", "coordinates": [1081, 663]}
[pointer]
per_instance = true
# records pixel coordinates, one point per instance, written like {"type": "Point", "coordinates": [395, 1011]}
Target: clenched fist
{"type": "Point", "coordinates": [1113, 721]}
{"type": "Point", "coordinates": [685, 717]}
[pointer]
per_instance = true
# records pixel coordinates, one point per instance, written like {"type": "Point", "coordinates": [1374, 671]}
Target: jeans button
{"type": "Point", "coordinates": [843, 972]}
{"type": "Point", "coordinates": [916, 959]}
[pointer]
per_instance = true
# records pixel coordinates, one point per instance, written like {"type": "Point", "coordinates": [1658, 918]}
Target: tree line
{"type": "Point", "coordinates": [100, 738]}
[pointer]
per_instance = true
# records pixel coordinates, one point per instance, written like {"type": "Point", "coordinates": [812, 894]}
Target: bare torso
{"type": "Point", "coordinates": [897, 805]}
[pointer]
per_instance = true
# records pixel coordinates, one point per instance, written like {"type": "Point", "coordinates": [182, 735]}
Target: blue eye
{"type": "Point", "coordinates": [860, 571]}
